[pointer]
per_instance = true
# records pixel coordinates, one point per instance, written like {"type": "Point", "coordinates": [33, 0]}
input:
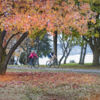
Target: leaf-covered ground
{"type": "Point", "coordinates": [49, 86]}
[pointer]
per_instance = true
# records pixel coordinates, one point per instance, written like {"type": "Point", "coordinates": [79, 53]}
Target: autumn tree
{"type": "Point", "coordinates": [17, 19]}
{"type": "Point", "coordinates": [20, 18]}
{"type": "Point", "coordinates": [93, 34]}
{"type": "Point", "coordinates": [67, 42]}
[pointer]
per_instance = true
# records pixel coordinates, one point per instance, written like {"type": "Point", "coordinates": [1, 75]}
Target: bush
{"type": "Point", "coordinates": [23, 58]}
{"type": "Point", "coordinates": [72, 61]}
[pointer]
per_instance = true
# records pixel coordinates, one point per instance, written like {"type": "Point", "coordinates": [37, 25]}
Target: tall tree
{"type": "Point", "coordinates": [20, 18]}
{"type": "Point", "coordinates": [66, 46]}
{"type": "Point", "coordinates": [67, 42]}
{"type": "Point", "coordinates": [93, 34]}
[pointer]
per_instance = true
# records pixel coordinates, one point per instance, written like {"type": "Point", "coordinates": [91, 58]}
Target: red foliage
{"type": "Point", "coordinates": [50, 79]}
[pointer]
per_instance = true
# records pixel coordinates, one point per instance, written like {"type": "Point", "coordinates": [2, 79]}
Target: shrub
{"type": "Point", "coordinates": [23, 58]}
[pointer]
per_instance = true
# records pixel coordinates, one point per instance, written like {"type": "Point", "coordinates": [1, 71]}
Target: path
{"type": "Point", "coordinates": [58, 69]}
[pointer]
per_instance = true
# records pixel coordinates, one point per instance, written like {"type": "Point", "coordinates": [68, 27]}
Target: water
{"type": "Point", "coordinates": [88, 59]}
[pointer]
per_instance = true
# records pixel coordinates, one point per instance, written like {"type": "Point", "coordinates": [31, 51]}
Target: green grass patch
{"type": "Point", "coordinates": [79, 66]}
{"type": "Point", "coordinates": [68, 65]}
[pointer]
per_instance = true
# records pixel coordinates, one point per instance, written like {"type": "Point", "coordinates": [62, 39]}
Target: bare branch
{"type": "Point", "coordinates": [10, 39]}
{"type": "Point", "coordinates": [85, 39]}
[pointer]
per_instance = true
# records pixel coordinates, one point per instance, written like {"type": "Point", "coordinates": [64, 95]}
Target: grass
{"type": "Point", "coordinates": [79, 66]}
{"type": "Point", "coordinates": [69, 65]}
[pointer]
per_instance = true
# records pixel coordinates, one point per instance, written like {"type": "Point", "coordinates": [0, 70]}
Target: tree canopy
{"type": "Point", "coordinates": [18, 18]}
{"type": "Point", "coordinates": [29, 15]}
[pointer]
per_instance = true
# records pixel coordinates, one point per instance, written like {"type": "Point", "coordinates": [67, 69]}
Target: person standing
{"type": "Point", "coordinates": [32, 58]}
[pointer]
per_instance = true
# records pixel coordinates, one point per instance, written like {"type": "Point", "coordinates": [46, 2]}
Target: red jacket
{"type": "Point", "coordinates": [32, 55]}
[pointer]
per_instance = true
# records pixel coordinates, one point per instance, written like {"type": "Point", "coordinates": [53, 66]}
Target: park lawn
{"type": "Point", "coordinates": [67, 66]}
{"type": "Point", "coordinates": [79, 66]}
{"type": "Point", "coordinates": [33, 85]}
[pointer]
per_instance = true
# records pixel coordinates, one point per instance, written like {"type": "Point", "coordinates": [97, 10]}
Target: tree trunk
{"type": "Point", "coordinates": [55, 44]}
{"type": "Point", "coordinates": [28, 53]}
{"type": "Point", "coordinates": [4, 59]}
{"type": "Point", "coordinates": [67, 54]}
{"type": "Point", "coordinates": [61, 58]}
{"type": "Point", "coordinates": [83, 53]}
{"type": "Point", "coordinates": [96, 57]}
{"type": "Point", "coordinates": [95, 47]}
{"type": "Point", "coordinates": [37, 39]}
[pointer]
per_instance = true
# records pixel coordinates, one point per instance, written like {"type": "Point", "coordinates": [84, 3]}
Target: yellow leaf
{"type": "Point", "coordinates": [93, 21]}
{"type": "Point", "coordinates": [96, 35]}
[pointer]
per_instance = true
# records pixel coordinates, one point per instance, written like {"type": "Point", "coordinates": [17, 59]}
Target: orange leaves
{"type": "Point", "coordinates": [6, 78]}
{"type": "Point", "coordinates": [26, 15]}
{"type": "Point", "coordinates": [50, 79]}
{"type": "Point", "coordinates": [0, 6]}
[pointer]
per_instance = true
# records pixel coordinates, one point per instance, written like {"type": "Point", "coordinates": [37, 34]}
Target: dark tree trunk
{"type": "Point", "coordinates": [94, 44]}
{"type": "Point", "coordinates": [2, 61]}
{"type": "Point", "coordinates": [2, 53]}
{"type": "Point", "coordinates": [62, 58]}
{"type": "Point", "coordinates": [96, 57]}
{"type": "Point", "coordinates": [4, 58]}
{"type": "Point", "coordinates": [67, 54]}
{"type": "Point", "coordinates": [83, 53]}
{"type": "Point", "coordinates": [55, 44]}
{"type": "Point", "coordinates": [95, 47]}
{"type": "Point", "coordinates": [37, 40]}
{"type": "Point", "coordinates": [28, 53]}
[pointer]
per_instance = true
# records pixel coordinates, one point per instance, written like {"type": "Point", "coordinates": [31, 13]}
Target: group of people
{"type": "Point", "coordinates": [33, 57]}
